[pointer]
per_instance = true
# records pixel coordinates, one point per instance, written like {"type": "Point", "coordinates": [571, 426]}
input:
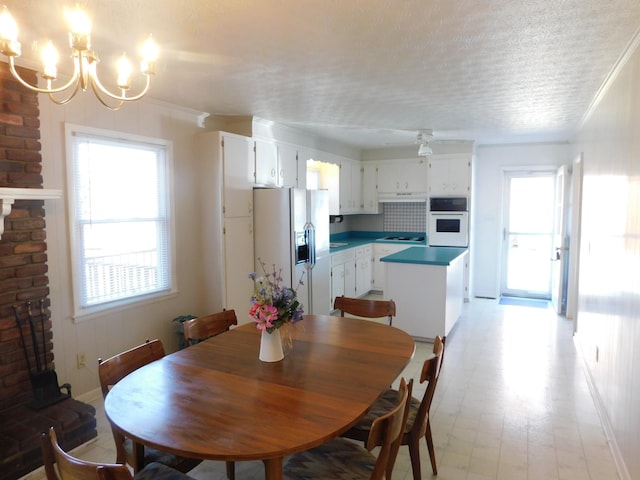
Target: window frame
{"type": "Point", "coordinates": [81, 312]}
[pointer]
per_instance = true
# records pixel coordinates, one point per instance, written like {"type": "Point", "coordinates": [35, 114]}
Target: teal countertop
{"type": "Point", "coordinates": [345, 240]}
{"type": "Point", "coordinates": [426, 255]}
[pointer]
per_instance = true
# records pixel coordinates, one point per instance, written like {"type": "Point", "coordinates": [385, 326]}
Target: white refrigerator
{"type": "Point", "coordinates": [291, 231]}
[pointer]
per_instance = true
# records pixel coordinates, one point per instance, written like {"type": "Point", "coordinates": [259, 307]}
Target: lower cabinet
{"type": "Point", "coordinates": [352, 272]}
{"type": "Point", "coordinates": [364, 269]}
{"type": "Point", "coordinates": [343, 279]}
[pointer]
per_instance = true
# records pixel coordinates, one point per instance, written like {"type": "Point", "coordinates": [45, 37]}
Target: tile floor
{"type": "Point", "coordinates": [512, 403]}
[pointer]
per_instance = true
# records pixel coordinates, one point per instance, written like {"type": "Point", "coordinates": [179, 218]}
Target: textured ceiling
{"type": "Point", "coordinates": [367, 72]}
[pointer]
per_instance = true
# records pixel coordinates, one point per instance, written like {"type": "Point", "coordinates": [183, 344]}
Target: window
{"type": "Point", "coordinates": [121, 227]}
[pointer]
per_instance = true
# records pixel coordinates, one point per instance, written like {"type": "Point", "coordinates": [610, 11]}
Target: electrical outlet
{"type": "Point", "coordinates": [82, 359]}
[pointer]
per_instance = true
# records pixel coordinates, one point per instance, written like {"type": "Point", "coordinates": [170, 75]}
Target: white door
{"type": "Point", "coordinates": [560, 256]}
{"type": "Point", "coordinates": [528, 234]}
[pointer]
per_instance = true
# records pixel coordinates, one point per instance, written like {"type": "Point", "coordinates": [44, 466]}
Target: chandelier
{"type": "Point", "coordinates": [85, 61]}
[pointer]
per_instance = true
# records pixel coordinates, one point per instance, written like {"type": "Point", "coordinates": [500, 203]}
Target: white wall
{"type": "Point", "coordinates": [608, 323]}
{"type": "Point", "coordinates": [113, 332]}
{"type": "Point", "coordinates": [488, 205]}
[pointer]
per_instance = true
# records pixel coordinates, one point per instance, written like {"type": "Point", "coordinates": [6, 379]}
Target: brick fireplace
{"type": "Point", "coordinates": [23, 278]}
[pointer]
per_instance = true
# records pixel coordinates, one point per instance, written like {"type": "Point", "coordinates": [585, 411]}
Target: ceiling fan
{"type": "Point", "coordinates": [423, 138]}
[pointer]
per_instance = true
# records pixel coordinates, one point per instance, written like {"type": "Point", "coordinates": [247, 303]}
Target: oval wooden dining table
{"type": "Point", "coordinates": [215, 400]}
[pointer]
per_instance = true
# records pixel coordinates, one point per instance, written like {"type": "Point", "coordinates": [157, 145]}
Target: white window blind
{"type": "Point", "coordinates": [121, 224]}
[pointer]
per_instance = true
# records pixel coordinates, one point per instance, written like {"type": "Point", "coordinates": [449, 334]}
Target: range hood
{"type": "Point", "coordinates": [395, 197]}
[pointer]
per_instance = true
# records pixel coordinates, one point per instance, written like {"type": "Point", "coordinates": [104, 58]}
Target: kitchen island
{"type": "Point", "coordinates": [427, 284]}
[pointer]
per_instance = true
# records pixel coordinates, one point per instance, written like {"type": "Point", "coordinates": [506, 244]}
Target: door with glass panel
{"type": "Point", "coordinates": [527, 244]}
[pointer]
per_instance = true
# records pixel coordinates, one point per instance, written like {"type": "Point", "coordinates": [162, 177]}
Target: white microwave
{"type": "Point", "coordinates": [448, 229]}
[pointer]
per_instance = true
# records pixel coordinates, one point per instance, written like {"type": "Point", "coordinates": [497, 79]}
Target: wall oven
{"type": "Point", "coordinates": [448, 222]}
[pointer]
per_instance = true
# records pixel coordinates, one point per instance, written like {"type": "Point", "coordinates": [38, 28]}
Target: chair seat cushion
{"type": "Point", "coordinates": [385, 403]}
{"type": "Point", "coordinates": [337, 459]}
{"type": "Point", "coordinates": [158, 471]}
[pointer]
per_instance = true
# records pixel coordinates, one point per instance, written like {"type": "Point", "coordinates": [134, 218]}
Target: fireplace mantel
{"type": "Point", "coordinates": [9, 195]}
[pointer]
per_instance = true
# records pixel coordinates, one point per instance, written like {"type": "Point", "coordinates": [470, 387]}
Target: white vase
{"type": "Point", "coordinates": [271, 347]}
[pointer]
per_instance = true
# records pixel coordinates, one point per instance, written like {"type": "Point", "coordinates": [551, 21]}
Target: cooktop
{"type": "Point", "coordinates": [403, 239]}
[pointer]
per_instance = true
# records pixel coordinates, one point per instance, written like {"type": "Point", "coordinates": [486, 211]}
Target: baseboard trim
{"type": "Point", "coordinates": [90, 396]}
{"type": "Point", "coordinates": [609, 433]}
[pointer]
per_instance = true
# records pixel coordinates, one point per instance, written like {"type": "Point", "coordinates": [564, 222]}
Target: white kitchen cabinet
{"type": "Point", "coordinates": [225, 194]}
{"type": "Point", "coordinates": [288, 165]}
{"type": "Point", "coordinates": [370, 188]}
{"type": "Point", "coordinates": [449, 175]}
{"type": "Point", "coordinates": [237, 180]}
{"type": "Point", "coordinates": [343, 278]}
{"type": "Point", "coordinates": [438, 287]}
{"type": "Point", "coordinates": [266, 162]}
{"type": "Point", "coordinates": [364, 269]}
{"type": "Point", "coordinates": [238, 259]}
{"type": "Point", "coordinates": [382, 250]}
{"type": "Point", "coordinates": [350, 187]}
{"type": "Point", "coordinates": [403, 176]}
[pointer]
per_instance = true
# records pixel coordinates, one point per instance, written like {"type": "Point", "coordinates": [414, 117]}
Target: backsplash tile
{"type": "Point", "coordinates": [405, 217]}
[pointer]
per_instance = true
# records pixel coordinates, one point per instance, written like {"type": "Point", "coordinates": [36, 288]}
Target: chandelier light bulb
{"type": "Point", "coordinates": [149, 53]}
{"type": "Point", "coordinates": [49, 61]}
{"type": "Point", "coordinates": [79, 22]}
{"type": "Point", "coordinates": [150, 50]}
{"type": "Point", "coordinates": [124, 72]}
{"type": "Point", "coordinates": [8, 26]}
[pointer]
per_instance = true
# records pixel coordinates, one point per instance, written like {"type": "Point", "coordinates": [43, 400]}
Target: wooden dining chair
{"type": "Point", "coordinates": [418, 423]}
{"type": "Point", "coordinates": [201, 328]}
{"type": "Point", "coordinates": [362, 307]}
{"type": "Point", "coordinates": [111, 371]}
{"type": "Point", "coordinates": [59, 465]}
{"type": "Point", "coordinates": [342, 459]}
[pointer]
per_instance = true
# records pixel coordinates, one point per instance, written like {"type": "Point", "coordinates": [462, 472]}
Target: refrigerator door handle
{"type": "Point", "coordinates": [311, 232]}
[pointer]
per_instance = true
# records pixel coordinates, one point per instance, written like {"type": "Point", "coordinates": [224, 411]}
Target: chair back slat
{"type": "Point", "coordinates": [385, 432]}
{"type": "Point", "coordinates": [71, 468]}
{"type": "Point", "coordinates": [430, 372]}
{"type": "Point", "coordinates": [114, 369]}
{"type": "Point", "coordinates": [362, 307]}
{"type": "Point", "coordinates": [207, 326]}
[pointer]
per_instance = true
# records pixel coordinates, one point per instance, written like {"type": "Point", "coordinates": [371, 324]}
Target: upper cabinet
{"type": "Point", "coordinates": [266, 162]}
{"type": "Point", "coordinates": [369, 187]}
{"type": "Point", "coordinates": [408, 176]}
{"type": "Point", "coordinates": [288, 166]}
{"type": "Point", "coordinates": [350, 187]}
{"type": "Point", "coordinates": [450, 175]}
{"type": "Point", "coordinates": [275, 164]}
{"type": "Point", "coordinates": [237, 179]}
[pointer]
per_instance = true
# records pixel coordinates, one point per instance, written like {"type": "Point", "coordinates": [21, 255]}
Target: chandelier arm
{"type": "Point", "coordinates": [64, 101]}
{"type": "Point", "coordinates": [95, 83]}
{"type": "Point", "coordinates": [17, 76]}
{"type": "Point", "coordinates": [99, 94]}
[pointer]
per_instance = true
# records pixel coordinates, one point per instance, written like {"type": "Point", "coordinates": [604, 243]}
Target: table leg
{"type": "Point", "coordinates": [273, 468]}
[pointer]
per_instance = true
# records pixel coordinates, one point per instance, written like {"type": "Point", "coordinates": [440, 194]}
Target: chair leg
{"type": "Point", "coordinates": [414, 454]}
{"type": "Point", "coordinates": [231, 471]}
{"type": "Point", "coordinates": [432, 452]}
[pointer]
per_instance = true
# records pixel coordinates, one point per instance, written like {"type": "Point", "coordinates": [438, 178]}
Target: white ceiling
{"type": "Point", "coordinates": [366, 72]}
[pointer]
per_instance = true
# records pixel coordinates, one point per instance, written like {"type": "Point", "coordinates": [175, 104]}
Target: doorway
{"type": "Point", "coordinates": [527, 245]}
